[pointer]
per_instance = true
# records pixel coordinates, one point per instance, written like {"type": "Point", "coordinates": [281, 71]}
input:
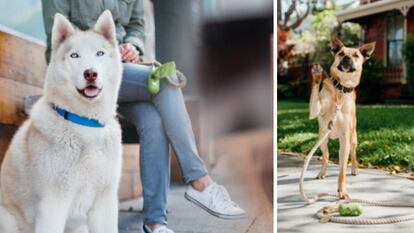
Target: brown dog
{"type": "Point", "coordinates": [338, 94]}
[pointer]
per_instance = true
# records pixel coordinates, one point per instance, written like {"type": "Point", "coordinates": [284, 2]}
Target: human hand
{"type": "Point", "coordinates": [129, 53]}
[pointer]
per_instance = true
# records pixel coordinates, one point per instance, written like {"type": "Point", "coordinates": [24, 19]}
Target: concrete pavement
{"type": "Point", "coordinates": [244, 166]}
{"type": "Point", "coordinates": [294, 216]}
{"type": "Point", "coordinates": [184, 217]}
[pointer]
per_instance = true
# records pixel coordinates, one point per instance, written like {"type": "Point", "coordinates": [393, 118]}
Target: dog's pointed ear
{"type": "Point", "coordinates": [62, 29]}
{"type": "Point", "coordinates": [106, 26]}
{"type": "Point", "coordinates": [336, 44]}
{"type": "Point", "coordinates": [367, 49]}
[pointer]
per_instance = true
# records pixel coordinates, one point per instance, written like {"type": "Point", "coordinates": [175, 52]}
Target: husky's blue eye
{"type": "Point", "coordinates": [100, 53]}
{"type": "Point", "coordinates": [74, 55]}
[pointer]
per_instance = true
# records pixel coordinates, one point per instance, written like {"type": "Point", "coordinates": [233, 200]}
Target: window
{"type": "Point", "coordinates": [395, 38]}
{"type": "Point", "coordinates": [24, 16]}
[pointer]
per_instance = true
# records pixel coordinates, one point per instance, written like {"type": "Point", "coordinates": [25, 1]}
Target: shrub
{"type": "Point", "coordinates": [408, 55]}
{"type": "Point", "coordinates": [370, 81]}
{"type": "Point", "coordinates": [295, 90]}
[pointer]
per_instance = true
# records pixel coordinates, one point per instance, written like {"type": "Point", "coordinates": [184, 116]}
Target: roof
{"type": "Point", "coordinates": [374, 8]}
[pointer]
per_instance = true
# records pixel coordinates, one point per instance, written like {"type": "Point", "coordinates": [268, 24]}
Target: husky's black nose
{"type": "Point", "coordinates": [90, 75]}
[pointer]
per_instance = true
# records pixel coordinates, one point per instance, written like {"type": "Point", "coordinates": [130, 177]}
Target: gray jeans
{"type": "Point", "coordinates": [160, 120]}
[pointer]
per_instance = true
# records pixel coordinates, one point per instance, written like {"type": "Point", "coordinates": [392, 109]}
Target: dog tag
{"type": "Point", "coordinates": [339, 96]}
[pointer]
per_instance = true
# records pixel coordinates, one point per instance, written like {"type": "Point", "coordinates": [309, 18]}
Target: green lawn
{"type": "Point", "coordinates": [385, 134]}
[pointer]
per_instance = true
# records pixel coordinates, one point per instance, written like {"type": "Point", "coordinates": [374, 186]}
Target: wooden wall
{"type": "Point", "coordinates": [22, 68]}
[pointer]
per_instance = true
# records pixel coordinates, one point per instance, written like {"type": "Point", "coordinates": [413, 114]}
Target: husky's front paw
{"type": "Point", "coordinates": [317, 73]}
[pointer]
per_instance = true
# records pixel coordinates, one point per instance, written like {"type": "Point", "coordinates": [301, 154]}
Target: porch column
{"type": "Point", "coordinates": [404, 11]}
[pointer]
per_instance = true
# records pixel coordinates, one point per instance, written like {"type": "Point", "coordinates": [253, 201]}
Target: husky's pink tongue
{"type": "Point", "coordinates": [91, 91]}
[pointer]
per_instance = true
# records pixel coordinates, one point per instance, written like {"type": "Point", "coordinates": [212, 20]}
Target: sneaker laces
{"type": "Point", "coordinates": [220, 196]}
{"type": "Point", "coordinates": [163, 229]}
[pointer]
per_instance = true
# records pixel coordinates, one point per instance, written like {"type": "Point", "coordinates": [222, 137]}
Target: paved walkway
{"type": "Point", "coordinates": [295, 216]}
{"type": "Point", "coordinates": [237, 169]}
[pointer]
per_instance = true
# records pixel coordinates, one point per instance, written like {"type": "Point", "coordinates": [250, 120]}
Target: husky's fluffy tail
{"type": "Point", "coordinates": [8, 222]}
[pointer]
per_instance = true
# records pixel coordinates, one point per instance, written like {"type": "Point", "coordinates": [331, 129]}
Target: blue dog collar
{"type": "Point", "coordinates": [78, 119]}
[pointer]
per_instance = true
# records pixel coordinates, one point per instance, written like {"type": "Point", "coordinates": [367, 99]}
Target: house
{"type": "Point", "coordinates": [389, 23]}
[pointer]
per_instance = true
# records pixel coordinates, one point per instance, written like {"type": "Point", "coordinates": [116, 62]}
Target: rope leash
{"type": "Point", "coordinates": [305, 167]}
{"type": "Point", "coordinates": [338, 107]}
{"type": "Point", "coordinates": [324, 214]}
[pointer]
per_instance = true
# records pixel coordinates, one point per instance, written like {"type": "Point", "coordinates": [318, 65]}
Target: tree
{"type": "Point", "coordinates": [293, 17]}
{"type": "Point", "coordinates": [324, 24]}
{"type": "Point", "coordinates": [298, 10]}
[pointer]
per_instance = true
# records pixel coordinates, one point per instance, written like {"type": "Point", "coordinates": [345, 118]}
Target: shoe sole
{"type": "Point", "coordinates": [224, 216]}
{"type": "Point", "coordinates": [145, 229]}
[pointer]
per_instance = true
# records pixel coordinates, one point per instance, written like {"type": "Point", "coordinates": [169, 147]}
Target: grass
{"type": "Point", "coordinates": [385, 134]}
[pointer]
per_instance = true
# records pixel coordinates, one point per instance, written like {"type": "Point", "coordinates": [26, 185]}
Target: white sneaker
{"type": "Point", "coordinates": [161, 229]}
{"type": "Point", "coordinates": [216, 200]}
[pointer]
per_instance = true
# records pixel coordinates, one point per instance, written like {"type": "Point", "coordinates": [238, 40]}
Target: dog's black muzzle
{"type": "Point", "coordinates": [346, 65]}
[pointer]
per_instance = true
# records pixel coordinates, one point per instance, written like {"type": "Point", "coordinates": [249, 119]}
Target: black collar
{"type": "Point", "coordinates": [340, 87]}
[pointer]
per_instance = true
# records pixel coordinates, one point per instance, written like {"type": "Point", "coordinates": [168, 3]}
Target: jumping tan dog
{"type": "Point", "coordinates": [338, 94]}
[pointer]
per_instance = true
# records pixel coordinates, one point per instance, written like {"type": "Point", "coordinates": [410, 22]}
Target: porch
{"type": "Point", "coordinates": [392, 79]}
{"type": "Point", "coordinates": [389, 24]}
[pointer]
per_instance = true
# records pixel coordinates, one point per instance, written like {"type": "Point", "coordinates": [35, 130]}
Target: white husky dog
{"type": "Point", "coordinates": [61, 172]}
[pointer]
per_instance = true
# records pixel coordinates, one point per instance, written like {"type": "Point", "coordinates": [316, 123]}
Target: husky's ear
{"type": "Point", "coordinates": [106, 26]}
{"type": "Point", "coordinates": [367, 49]}
{"type": "Point", "coordinates": [61, 30]}
{"type": "Point", "coordinates": [336, 44]}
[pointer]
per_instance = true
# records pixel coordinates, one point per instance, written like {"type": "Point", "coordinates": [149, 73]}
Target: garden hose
{"type": "Point", "coordinates": [347, 207]}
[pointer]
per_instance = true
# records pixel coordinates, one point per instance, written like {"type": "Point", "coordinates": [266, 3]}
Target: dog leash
{"type": "Point", "coordinates": [312, 152]}
{"type": "Point", "coordinates": [324, 214]}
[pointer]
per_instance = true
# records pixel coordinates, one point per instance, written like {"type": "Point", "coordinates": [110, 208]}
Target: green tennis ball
{"type": "Point", "coordinates": [350, 209]}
